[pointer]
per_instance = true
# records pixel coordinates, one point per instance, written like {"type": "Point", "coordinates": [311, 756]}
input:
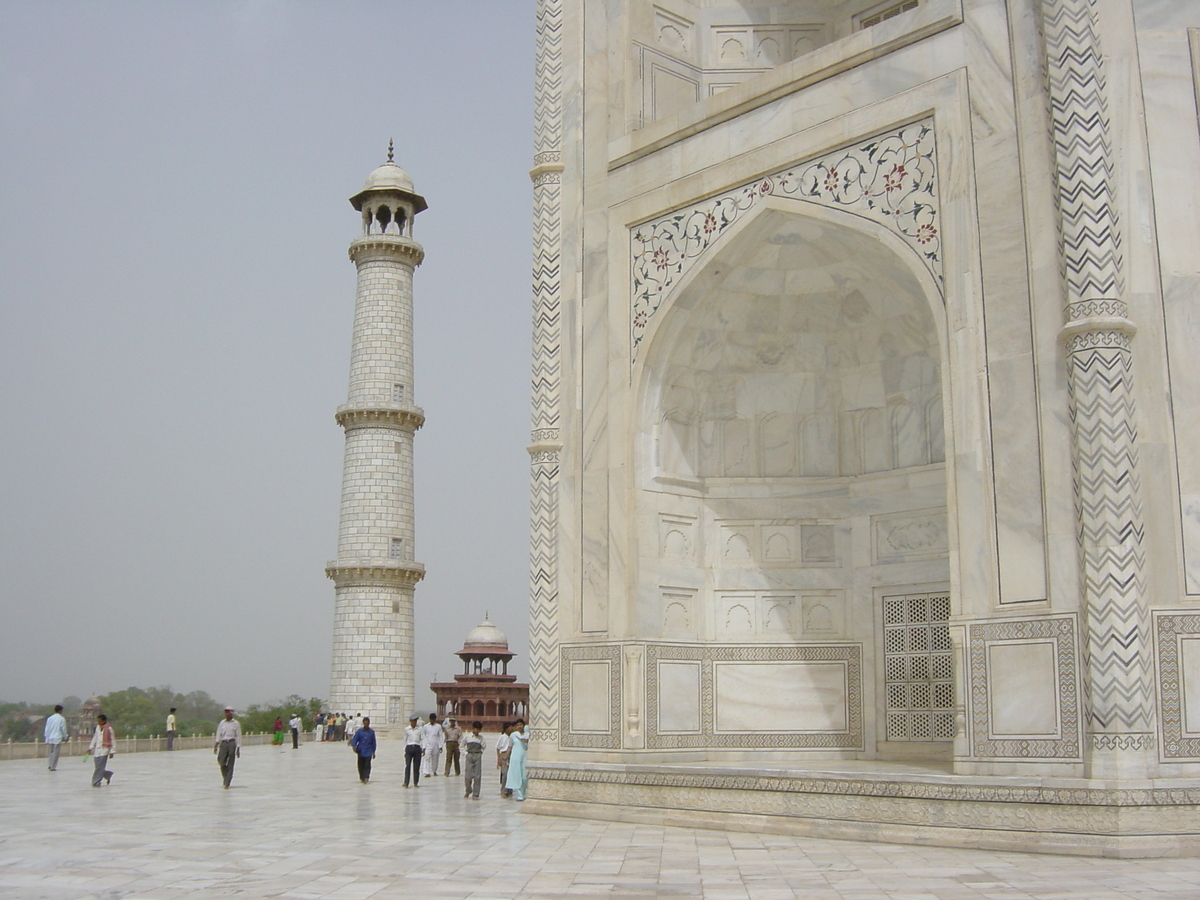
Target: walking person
{"type": "Point", "coordinates": [435, 739]}
{"type": "Point", "coordinates": [54, 735]}
{"type": "Point", "coordinates": [295, 723]}
{"type": "Point", "coordinates": [414, 737]}
{"type": "Point", "coordinates": [227, 744]}
{"type": "Point", "coordinates": [277, 740]}
{"type": "Point", "coordinates": [363, 745]}
{"type": "Point", "coordinates": [503, 752]}
{"type": "Point", "coordinates": [171, 729]}
{"type": "Point", "coordinates": [518, 780]}
{"type": "Point", "coordinates": [103, 747]}
{"type": "Point", "coordinates": [453, 735]}
{"type": "Point", "coordinates": [474, 744]}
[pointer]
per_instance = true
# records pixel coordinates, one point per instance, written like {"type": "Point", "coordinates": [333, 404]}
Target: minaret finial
{"type": "Point", "coordinates": [391, 152]}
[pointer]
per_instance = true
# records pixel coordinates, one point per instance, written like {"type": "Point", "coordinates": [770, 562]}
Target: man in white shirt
{"type": "Point", "coordinates": [503, 749]}
{"type": "Point", "coordinates": [227, 744]}
{"type": "Point", "coordinates": [103, 748]}
{"type": "Point", "coordinates": [295, 723]}
{"type": "Point", "coordinates": [414, 737]}
{"type": "Point", "coordinates": [435, 739]}
{"type": "Point", "coordinates": [54, 735]}
{"type": "Point", "coordinates": [171, 729]}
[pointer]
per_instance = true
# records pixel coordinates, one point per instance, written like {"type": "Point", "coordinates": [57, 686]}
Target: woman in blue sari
{"type": "Point", "coordinates": [518, 781]}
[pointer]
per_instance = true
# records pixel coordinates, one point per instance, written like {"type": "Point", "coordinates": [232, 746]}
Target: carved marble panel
{"type": "Point", "coordinates": [1024, 698]}
{"type": "Point", "coordinates": [674, 34]}
{"type": "Point", "coordinates": [679, 697]}
{"type": "Point", "coordinates": [818, 545]}
{"type": "Point", "coordinates": [737, 614]}
{"type": "Point", "coordinates": [678, 612]}
{"type": "Point", "coordinates": [996, 694]}
{"type": "Point", "coordinates": [760, 697]}
{"type": "Point", "coordinates": [590, 696]}
{"type": "Point", "coordinates": [764, 698]}
{"type": "Point", "coordinates": [677, 537]}
{"type": "Point", "coordinates": [902, 537]}
{"type": "Point", "coordinates": [824, 613]}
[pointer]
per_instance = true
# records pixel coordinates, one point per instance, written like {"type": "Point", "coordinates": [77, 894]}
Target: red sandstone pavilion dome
{"type": "Point", "coordinates": [484, 692]}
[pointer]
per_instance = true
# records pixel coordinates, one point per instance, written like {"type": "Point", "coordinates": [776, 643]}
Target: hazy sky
{"type": "Point", "coordinates": [175, 313]}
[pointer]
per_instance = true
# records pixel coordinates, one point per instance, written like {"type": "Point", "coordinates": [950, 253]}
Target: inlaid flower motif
{"type": "Point", "coordinates": [890, 178]}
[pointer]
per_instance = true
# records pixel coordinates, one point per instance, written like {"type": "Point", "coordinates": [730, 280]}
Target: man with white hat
{"type": "Point", "coordinates": [227, 744]}
{"type": "Point", "coordinates": [414, 736]}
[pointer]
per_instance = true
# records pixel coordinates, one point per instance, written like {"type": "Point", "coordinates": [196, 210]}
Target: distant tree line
{"type": "Point", "coordinates": [142, 712]}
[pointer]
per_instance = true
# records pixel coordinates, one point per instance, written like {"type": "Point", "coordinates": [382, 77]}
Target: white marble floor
{"type": "Point", "coordinates": [297, 824]}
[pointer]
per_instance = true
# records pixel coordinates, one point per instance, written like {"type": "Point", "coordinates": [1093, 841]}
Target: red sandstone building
{"type": "Point", "coordinates": [484, 692]}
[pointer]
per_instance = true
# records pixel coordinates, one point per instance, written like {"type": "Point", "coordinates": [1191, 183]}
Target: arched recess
{"type": "Point", "coordinates": [792, 482]}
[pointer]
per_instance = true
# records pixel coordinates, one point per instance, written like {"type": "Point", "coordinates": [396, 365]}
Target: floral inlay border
{"type": "Point", "coordinates": [1169, 629]}
{"type": "Point", "coordinates": [890, 179]}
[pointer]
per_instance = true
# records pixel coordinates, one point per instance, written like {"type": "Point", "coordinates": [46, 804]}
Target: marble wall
{"type": "Point", "coordinates": [818, 386]}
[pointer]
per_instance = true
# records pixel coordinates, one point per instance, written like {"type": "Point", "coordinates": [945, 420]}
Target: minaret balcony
{"type": "Point", "coordinates": [380, 415]}
{"type": "Point", "coordinates": [374, 571]}
{"type": "Point", "coordinates": [394, 247]}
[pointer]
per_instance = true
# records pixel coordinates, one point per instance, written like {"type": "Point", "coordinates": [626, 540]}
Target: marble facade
{"type": "Point", "coordinates": [863, 405]}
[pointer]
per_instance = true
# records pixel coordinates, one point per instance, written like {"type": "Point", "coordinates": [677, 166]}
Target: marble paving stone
{"type": "Point", "coordinates": [298, 825]}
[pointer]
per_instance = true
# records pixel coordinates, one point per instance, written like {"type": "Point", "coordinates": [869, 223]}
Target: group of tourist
{"type": "Point", "coordinates": [423, 746]}
{"type": "Point", "coordinates": [335, 726]}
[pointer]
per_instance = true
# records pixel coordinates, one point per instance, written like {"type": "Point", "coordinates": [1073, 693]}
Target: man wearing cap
{"type": "Point", "coordinates": [227, 744]}
{"type": "Point", "coordinates": [414, 736]}
{"type": "Point", "coordinates": [453, 736]}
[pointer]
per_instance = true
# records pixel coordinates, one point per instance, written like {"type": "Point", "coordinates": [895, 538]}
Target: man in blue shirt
{"type": "Point", "coordinates": [363, 744]}
{"type": "Point", "coordinates": [55, 735]}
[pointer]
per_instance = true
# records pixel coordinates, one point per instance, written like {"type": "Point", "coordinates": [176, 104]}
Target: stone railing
{"type": "Point", "coordinates": [78, 746]}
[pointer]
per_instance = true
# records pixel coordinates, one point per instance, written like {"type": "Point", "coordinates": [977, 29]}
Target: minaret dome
{"type": "Point", "coordinates": [388, 200]}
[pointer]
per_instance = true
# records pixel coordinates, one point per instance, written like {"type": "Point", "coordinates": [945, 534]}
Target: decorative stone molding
{"type": "Point", "coordinates": [1061, 631]}
{"type": "Point", "coordinates": [890, 179]}
{"type": "Point", "coordinates": [400, 418]}
{"type": "Point", "coordinates": [546, 374]}
{"type": "Point", "coordinates": [386, 247]}
{"type": "Point", "coordinates": [345, 573]}
{"type": "Point", "coordinates": [897, 787]}
{"type": "Point", "coordinates": [1102, 410]}
{"type": "Point", "coordinates": [1170, 628]}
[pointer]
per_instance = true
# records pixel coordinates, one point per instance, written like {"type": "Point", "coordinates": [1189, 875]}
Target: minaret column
{"type": "Point", "coordinates": [375, 571]}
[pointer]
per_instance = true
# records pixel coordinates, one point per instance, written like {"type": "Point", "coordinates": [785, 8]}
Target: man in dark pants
{"type": "Point", "coordinates": [227, 744]}
{"type": "Point", "coordinates": [363, 744]}
{"type": "Point", "coordinates": [414, 735]}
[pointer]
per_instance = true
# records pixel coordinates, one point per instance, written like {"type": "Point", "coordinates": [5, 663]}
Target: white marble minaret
{"type": "Point", "coordinates": [375, 572]}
